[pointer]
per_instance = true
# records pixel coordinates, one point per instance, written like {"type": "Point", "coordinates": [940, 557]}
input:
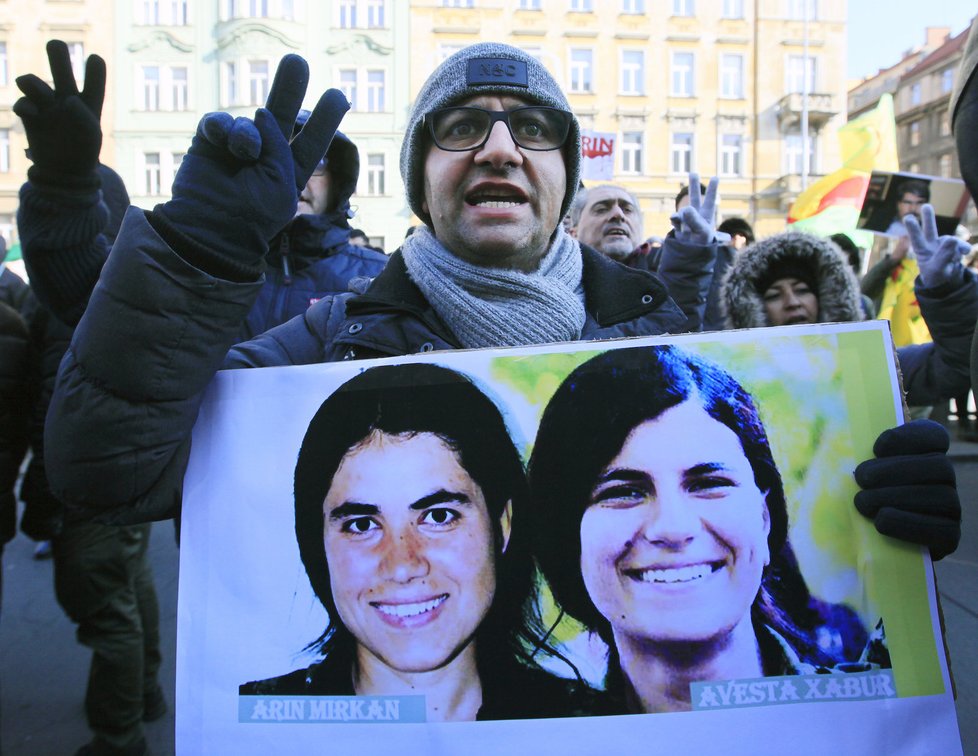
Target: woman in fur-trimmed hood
{"type": "Point", "coordinates": [794, 277]}
{"type": "Point", "coordinates": [815, 264]}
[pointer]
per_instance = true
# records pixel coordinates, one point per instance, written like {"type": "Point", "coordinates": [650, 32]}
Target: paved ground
{"type": "Point", "coordinates": [43, 669]}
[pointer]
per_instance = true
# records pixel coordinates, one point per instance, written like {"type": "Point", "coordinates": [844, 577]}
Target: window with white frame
{"type": "Point", "coordinates": [945, 120]}
{"type": "Point", "coordinates": [794, 152]}
{"type": "Point", "coordinates": [161, 12]}
{"type": "Point", "coordinates": [347, 10]}
{"type": "Point", "coordinates": [150, 86]}
{"type": "Point", "coordinates": [365, 88]}
{"type": "Point", "coordinates": [631, 151]}
{"type": "Point", "coordinates": [582, 6]}
{"type": "Point", "coordinates": [530, 5]}
{"type": "Point", "coordinates": [348, 85]}
{"type": "Point", "coordinates": [178, 13]}
{"type": "Point", "coordinates": [914, 134]}
{"type": "Point", "coordinates": [284, 9]}
{"type": "Point", "coordinates": [375, 91]}
{"type": "Point", "coordinates": [795, 74]}
{"type": "Point", "coordinates": [376, 174]}
{"type": "Point", "coordinates": [456, 3]}
{"type": "Point", "coordinates": [257, 82]}
{"type": "Point", "coordinates": [179, 97]}
{"type": "Point", "coordinates": [230, 84]}
{"type": "Point", "coordinates": [76, 53]}
{"type": "Point", "coordinates": [731, 152]}
{"type": "Point", "coordinates": [944, 169]}
{"type": "Point", "coordinates": [682, 74]}
{"type": "Point", "coordinates": [681, 152]}
{"type": "Point", "coordinates": [4, 69]}
{"type": "Point", "coordinates": [683, 8]}
{"type": "Point", "coordinates": [158, 170]}
{"type": "Point", "coordinates": [4, 150]}
{"type": "Point", "coordinates": [353, 14]}
{"type": "Point", "coordinates": [633, 7]}
{"type": "Point", "coordinates": [732, 76]}
{"type": "Point", "coordinates": [581, 70]}
{"type": "Point", "coordinates": [947, 80]}
{"type": "Point", "coordinates": [376, 14]}
{"type": "Point", "coordinates": [151, 174]}
{"type": "Point", "coordinates": [732, 9]}
{"type": "Point", "coordinates": [916, 93]}
{"type": "Point", "coordinates": [632, 72]}
{"type": "Point", "coordinates": [149, 12]}
{"type": "Point", "coordinates": [534, 52]}
{"type": "Point", "coordinates": [162, 88]}
{"type": "Point", "coordinates": [797, 10]}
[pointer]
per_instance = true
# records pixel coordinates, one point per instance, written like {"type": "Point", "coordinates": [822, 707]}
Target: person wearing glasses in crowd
{"type": "Point", "coordinates": [491, 161]}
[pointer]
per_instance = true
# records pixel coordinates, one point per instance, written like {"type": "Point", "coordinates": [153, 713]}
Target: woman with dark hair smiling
{"type": "Point", "coordinates": [409, 508]}
{"type": "Point", "coordinates": [661, 524]}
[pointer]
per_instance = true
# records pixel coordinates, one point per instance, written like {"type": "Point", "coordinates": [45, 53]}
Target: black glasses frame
{"type": "Point", "coordinates": [494, 117]}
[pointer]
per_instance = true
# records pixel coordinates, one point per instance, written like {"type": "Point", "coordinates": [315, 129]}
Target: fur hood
{"type": "Point", "coordinates": [835, 283]}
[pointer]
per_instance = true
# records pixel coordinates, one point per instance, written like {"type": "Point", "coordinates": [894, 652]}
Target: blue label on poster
{"type": "Point", "coordinates": [331, 709]}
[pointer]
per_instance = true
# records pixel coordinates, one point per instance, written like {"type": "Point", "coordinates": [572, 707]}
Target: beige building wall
{"type": "Point", "coordinates": [674, 78]}
{"type": "Point", "coordinates": [25, 28]}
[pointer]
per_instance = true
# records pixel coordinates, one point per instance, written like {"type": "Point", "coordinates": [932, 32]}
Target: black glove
{"type": "Point", "coordinates": [239, 183]}
{"type": "Point", "coordinates": [64, 136]}
{"type": "Point", "coordinates": [910, 490]}
{"type": "Point", "coordinates": [694, 224]}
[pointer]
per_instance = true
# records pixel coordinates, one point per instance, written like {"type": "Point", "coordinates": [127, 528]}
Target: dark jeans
{"type": "Point", "coordinates": [104, 583]}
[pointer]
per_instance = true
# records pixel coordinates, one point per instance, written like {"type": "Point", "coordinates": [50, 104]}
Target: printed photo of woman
{"type": "Point", "coordinates": [660, 524]}
{"type": "Point", "coordinates": [410, 516]}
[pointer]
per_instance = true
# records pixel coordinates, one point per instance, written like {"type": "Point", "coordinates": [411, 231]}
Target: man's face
{"type": "Point", "coordinates": [788, 301]}
{"type": "Point", "coordinates": [410, 551]}
{"type": "Point", "coordinates": [910, 204]}
{"type": "Point", "coordinates": [610, 222]}
{"type": "Point", "coordinates": [315, 196]}
{"type": "Point", "coordinates": [496, 206]}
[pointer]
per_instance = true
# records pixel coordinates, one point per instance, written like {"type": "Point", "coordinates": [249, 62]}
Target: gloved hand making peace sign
{"type": "Point", "coordinates": [64, 136]}
{"type": "Point", "coordinates": [696, 222]}
{"type": "Point", "coordinates": [239, 183]}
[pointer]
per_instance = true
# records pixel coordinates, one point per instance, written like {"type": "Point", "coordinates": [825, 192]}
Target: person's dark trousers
{"type": "Point", "coordinates": [104, 583]}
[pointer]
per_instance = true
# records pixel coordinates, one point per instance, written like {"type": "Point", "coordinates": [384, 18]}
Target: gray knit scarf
{"type": "Point", "coordinates": [486, 307]}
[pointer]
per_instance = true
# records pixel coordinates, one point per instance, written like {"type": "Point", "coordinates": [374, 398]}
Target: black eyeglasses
{"type": "Point", "coordinates": [535, 127]}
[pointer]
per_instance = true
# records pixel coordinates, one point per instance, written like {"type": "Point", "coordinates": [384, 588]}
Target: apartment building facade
{"type": "Point", "coordinates": [181, 59]}
{"type": "Point", "coordinates": [921, 83]}
{"type": "Point", "coordinates": [715, 87]}
{"type": "Point", "coordinates": [720, 87]}
{"type": "Point", "coordinates": [25, 26]}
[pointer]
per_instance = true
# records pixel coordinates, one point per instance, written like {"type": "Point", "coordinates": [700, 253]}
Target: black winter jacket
{"type": "Point", "coordinates": [157, 329]}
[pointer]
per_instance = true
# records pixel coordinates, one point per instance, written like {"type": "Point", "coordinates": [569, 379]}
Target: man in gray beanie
{"type": "Point", "coordinates": [490, 163]}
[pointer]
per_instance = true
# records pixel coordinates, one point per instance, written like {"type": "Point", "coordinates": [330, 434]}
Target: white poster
{"type": "Point", "coordinates": [598, 151]}
{"type": "Point", "coordinates": [569, 549]}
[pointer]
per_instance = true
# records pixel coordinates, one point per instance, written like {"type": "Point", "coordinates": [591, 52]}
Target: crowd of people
{"type": "Point", "coordinates": [253, 263]}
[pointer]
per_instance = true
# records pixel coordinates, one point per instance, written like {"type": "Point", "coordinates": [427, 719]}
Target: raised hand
{"type": "Point", "coordinates": [64, 135]}
{"type": "Point", "coordinates": [240, 181]}
{"type": "Point", "coordinates": [939, 257]}
{"type": "Point", "coordinates": [695, 223]}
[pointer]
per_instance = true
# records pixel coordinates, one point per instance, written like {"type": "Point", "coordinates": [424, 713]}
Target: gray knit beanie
{"type": "Point", "coordinates": [484, 68]}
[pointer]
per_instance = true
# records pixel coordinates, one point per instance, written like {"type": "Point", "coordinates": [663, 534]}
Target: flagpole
{"type": "Point", "coordinates": [805, 87]}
